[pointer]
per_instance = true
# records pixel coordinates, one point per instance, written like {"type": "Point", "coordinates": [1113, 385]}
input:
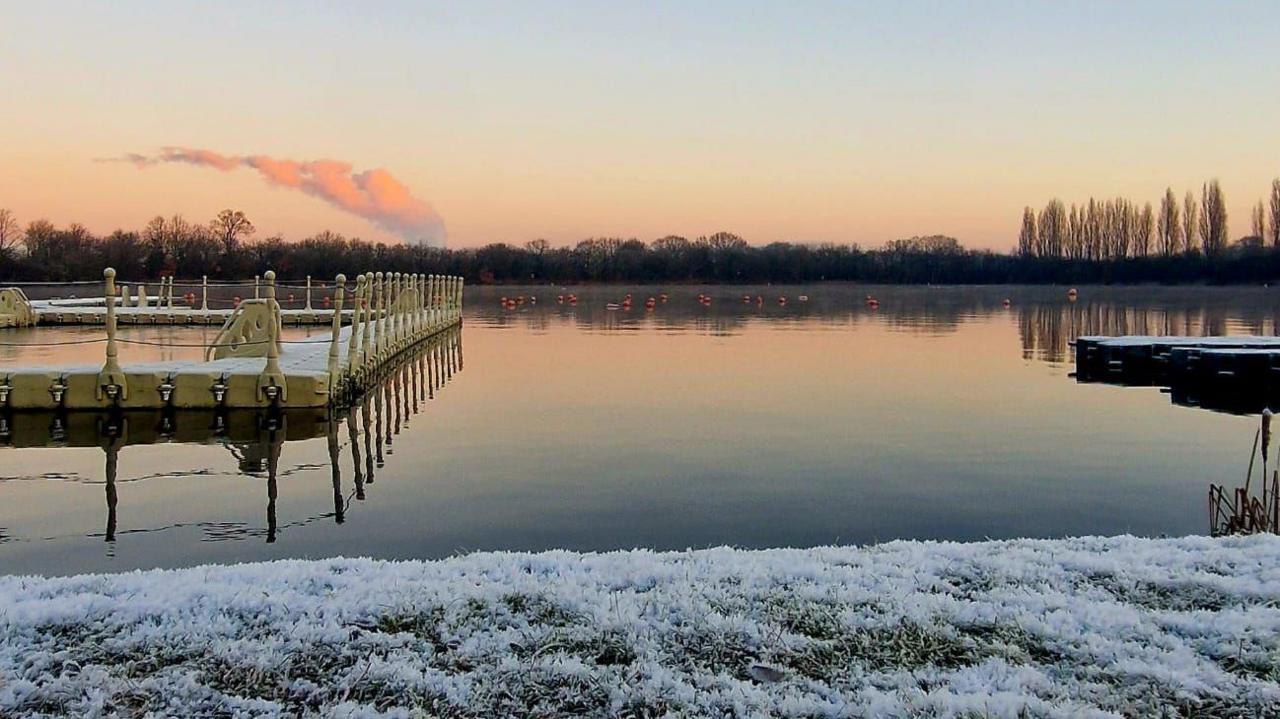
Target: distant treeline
{"type": "Point", "coordinates": [225, 249]}
{"type": "Point", "coordinates": [1116, 229]}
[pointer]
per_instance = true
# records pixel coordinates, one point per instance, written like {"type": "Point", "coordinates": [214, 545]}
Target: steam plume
{"type": "Point", "coordinates": [375, 195]}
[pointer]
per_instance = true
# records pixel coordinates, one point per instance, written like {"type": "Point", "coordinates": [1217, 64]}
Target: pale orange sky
{"type": "Point", "coordinates": [810, 122]}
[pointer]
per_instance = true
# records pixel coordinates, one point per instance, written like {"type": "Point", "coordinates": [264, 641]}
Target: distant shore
{"type": "Point", "coordinates": [1072, 627]}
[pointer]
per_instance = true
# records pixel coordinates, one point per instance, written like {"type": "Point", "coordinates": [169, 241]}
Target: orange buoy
{"type": "Point", "coordinates": [782, 300]}
{"type": "Point", "coordinates": [1006, 302]}
{"type": "Point", "coordinates": [236, 300]}
{"type": "Point", "coordinates": [559, 299]}
{"type": "Point", "coordinates": [663, 297]}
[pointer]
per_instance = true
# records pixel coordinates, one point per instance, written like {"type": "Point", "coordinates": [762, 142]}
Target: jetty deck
{"type": "Point", "coordinates": [248, 365]}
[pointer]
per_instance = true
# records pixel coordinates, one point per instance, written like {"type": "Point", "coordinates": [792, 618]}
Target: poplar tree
{"type": "Point", "coordinates": [1052, 229]}
{"type": "Point", "coordinates": [1168, 226]}
{"type": "Point", "coordinates": [1027, 236]}
{"type": "Point", "coordinates": [1213, 218]}
{"type": "Point", "coordinates": [1275, 213]}
{"type": "Point", "coordinates": [1146, 228]}
{"type": "Point", "coordinates": [1190, 211]}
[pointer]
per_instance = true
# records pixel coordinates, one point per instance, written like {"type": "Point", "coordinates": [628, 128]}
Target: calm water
{"type": "Point", "coordinates": [940, 415]}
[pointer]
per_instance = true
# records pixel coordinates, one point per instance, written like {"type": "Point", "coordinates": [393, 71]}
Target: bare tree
{"type": "Point", "coordinates": [1128, 227]}
{"type": "Point", "coordinates": [1027, 235]}
{"type": "Point", "coordinates": [1190, 211]}
{"type": "Point", "coordinates": [1275, 212]}
{"type": "Point", "coordinates": [1145, 230]}
{"type": "Point", "coordinates": [1121, 224]}
{"type": "Point", "coordinates": [1075, 233]}
{"type": "Point", "coordinates": [1258, 221]}
{"type": "Point", "coordinates": [9, 231]}
{"type": "Point", "coordinates": [1213, 218]}
{"type": "Point", "coordinates": [1168, 226]}
{"type": "Point", "coordinates": [228, 227]}
{"type": "Point", "coordinates": [1095, 228]}
{"type": "Point", "coordinates": [1052, 229]}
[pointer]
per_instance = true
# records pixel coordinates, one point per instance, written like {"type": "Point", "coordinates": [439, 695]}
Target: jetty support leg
{"type": "Point", "coordinates": [272, 385]}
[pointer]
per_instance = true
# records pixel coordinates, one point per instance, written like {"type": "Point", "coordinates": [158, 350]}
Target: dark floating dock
{"type": "Point", "coordinates": [1233, 374]}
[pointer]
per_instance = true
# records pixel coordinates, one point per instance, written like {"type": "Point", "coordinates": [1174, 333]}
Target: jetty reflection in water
{"type": "Point", "coordinates": [256, 439]}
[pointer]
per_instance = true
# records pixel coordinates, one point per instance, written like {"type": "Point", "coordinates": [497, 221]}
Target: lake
{"type": "Point", "coordinates": [939, 414]}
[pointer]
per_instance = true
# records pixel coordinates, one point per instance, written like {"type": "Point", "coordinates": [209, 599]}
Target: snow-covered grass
{"type": "Point", "coordinates": [1075, 627]}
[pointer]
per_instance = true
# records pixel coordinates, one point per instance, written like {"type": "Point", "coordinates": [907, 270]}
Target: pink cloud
{"type": "Point", "coordinates": [375, 195]}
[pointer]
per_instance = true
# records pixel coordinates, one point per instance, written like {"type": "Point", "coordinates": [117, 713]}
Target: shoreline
{"type": "Point", "coordinates": [1087, 626]}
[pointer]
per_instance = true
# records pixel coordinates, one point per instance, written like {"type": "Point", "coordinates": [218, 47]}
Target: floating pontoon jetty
{"type": "Point", "coordinates": [1221, 368]}
{"type": "Point", "coordinates": [248, 364]}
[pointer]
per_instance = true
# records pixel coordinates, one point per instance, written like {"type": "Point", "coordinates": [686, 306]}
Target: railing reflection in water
{"type": "Point", "coordinates": [256, 438]}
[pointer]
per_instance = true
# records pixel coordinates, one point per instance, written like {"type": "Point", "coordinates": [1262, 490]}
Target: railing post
{"type": "Point", "coordinates": [338, 293]}
{"type": "Point", "coordinates": [397, 291]}
{"type": "Point", "coordinates": [308, 293]}
{"type": "Point", "coordinates": [419, 309]}
{"type": "Point", "coordinates": [124, 295]}
{"type": "Point", "coordinates": [411, 310]}
{"type": "Point", "coordinates": [142, 295]}
{"type": "Point", "coordinates": [415, 295]}
{"type": "Point", "coordinates": [204, 293]}
{"type": "Point", "coordinates": [432, 298]}
{"type": "Point", "coordinates": [380, 316]}
{"type": "Point", "coordinates": [111, 381]}
{"type": "Point", "coordinates": [433, 315]}
{"type": "Point", "coordinates": [272, 385]}
{"type": "Point", "coordinates": [353, 342]}
{"type": "Point", "coordinates": [255, 285]}
{"type": "Point", "coordinates": [366, 347]}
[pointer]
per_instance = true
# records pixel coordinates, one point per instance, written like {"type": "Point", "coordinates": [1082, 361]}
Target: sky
{"type": "Point", "coordinates": [798, 121]}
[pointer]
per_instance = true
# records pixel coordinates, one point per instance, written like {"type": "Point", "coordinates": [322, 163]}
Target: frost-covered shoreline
{"type": "Point", "coordinates": [1074, 627]}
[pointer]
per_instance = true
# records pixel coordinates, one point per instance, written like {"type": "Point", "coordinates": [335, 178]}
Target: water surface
{"type": "Point", "coordinates": [941, 414]}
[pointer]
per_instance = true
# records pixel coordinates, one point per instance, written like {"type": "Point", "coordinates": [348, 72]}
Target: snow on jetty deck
{"type": "Point", "coordinates": [72, 312]}
{"type": "Point", "coordinates": [1074, 627]}
{"type": "Point", "coordinates": [248, 364]}
{"type": "Point", "coordinates": [196, 307]}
